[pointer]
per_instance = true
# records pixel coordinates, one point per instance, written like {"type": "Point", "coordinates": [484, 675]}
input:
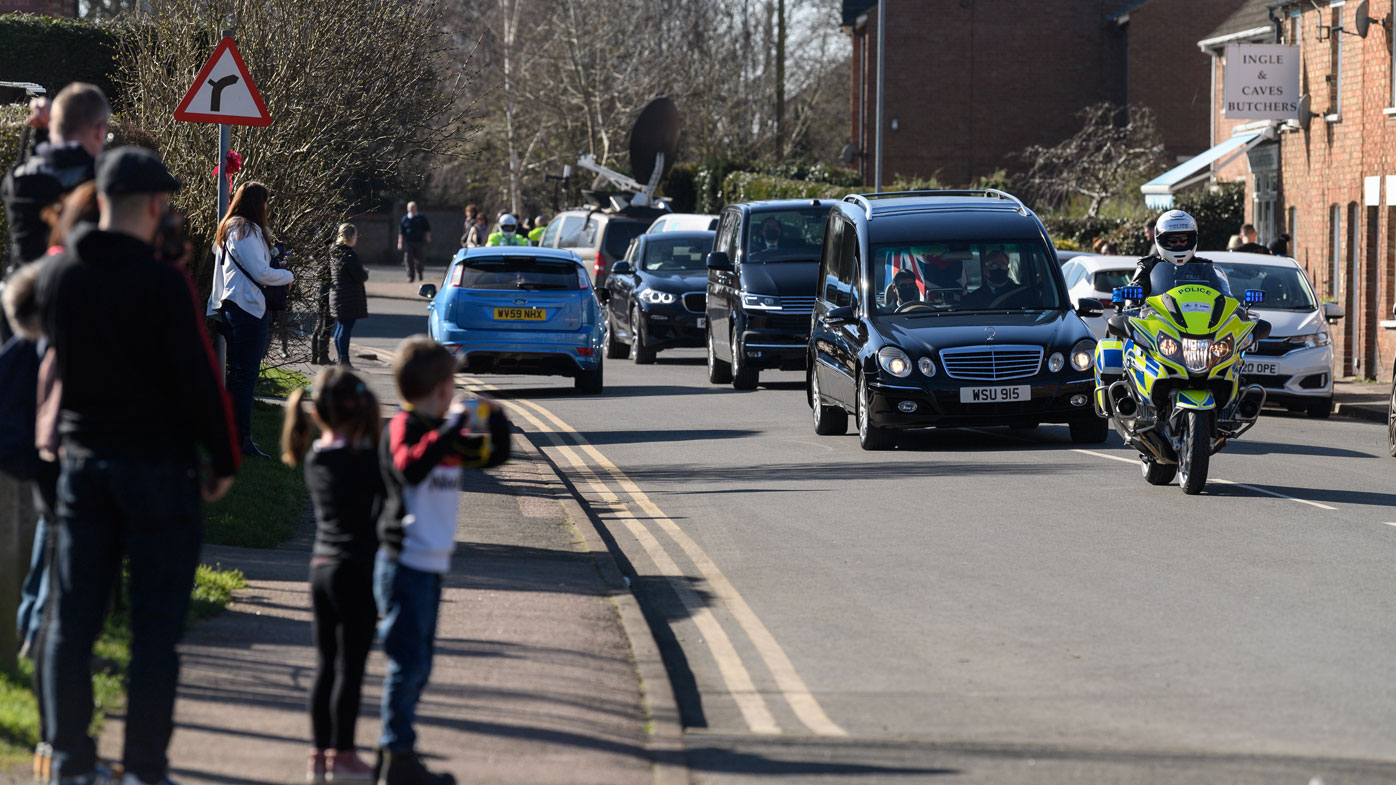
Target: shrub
{"type": "Point", "coordinates": [1220, 209]}
{"type": "Point", "coordinates": [708, 183]}
{"type": "Point", "coordinates": [750, 187]}
{"type": "Point", "coordinates": [53, 52]}
{"type": "Point", "coordinates": [681, 188]}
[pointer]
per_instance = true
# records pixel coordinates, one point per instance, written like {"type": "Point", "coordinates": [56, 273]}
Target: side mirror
{"type": "Point", "coordinates": [428, 290]}
{"type": "Point", "coordinates": [1261, 331]}
{"type": "Point", "coordinates": [718, 260]}
{"type": "Point", "coordinates": [1333, 312]}
{"type": "Point", "coordinates": [621, 267]}
{"type": "Point", "coordinates": [603, 295]}
{"type": "Point", "coordinates": [1088, 307]}
{"type": "Point", "coordinates": [840, 315]}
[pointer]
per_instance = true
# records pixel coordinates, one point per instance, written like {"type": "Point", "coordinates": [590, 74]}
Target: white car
{"type": "Point", "coordinates": [1294, 365]}
{"type": "Point", "coordinates": [683, 222]}
{"type": "Point", "coordinates": [1096, 277]}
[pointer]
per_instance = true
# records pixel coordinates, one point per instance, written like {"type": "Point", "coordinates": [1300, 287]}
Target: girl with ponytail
{"type": "Point", "coordinates": [346, 490]}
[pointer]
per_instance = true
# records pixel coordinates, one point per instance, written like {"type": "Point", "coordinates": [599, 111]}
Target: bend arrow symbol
{"type": "Point", "coordinates": [215, 100]}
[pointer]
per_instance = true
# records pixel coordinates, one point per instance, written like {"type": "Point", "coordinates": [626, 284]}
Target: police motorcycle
{"type": "Point", "coordinates": [1168, 372]}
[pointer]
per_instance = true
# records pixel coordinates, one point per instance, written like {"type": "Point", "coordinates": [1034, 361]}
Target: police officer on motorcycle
{"type": "Point", "coordinates": [1175, 241]}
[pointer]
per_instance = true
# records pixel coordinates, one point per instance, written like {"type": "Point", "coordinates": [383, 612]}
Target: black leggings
{"type": "Point", "coordinates": [341, 592]}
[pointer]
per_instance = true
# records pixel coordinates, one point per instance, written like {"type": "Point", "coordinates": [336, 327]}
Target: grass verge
{"type": "Point", "coordinates": [280, 382]}
{"type": "Point", "coordinates": [265, 503]}
{"type": "Point", "coordinates": [19, 714]}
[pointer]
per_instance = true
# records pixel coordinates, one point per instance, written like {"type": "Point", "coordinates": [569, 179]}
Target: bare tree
{"type": "Point", "coordinates": [358, 90]}
{"type": "Point", "coordinates": [1100, 160]}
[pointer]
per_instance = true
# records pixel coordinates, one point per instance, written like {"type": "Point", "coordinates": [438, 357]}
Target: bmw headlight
{"type": "Point", "coordinates": [656, 297]}
{"type": "Point", "coordinates": [927, 366]}
{"type": "Point", "coordinates": [760, 301]}
{"type": "Point", "coordinates": [894, 361]}
{"type": "Point", "coordinates": [1310, 341]}
{"type": "Point", "coordinates": [1083, 354]}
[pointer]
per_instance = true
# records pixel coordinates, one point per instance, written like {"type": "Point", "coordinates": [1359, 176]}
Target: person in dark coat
{"type": "Point", "coordinates": [348, 299]}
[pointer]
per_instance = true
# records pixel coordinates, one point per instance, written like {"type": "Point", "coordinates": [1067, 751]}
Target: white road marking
{"type": "Point", "coordinates": [1120, 458]}
{"type": "Point", "coordinates": [1276, 495]}
{"type": "Point", "coordinates": [729, 663]}
{"type": "Point", "coordinates": [793, 688]}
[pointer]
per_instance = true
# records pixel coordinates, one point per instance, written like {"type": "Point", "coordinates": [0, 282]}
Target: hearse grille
{"type": "Point", "coordinates": [991, 363]}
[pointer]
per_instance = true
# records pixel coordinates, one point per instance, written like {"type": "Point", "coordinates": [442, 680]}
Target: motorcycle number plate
{"type": "Point", "coordinates": [1005, 394]}
{"type": "Point", "coordinates": [1261, 368]}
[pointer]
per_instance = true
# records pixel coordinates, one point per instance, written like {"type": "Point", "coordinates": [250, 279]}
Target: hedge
{"type": "Point", "coordinates": [11, 129]}
{"type": "Point", "coordinates": [751, 187]}
{"type": "Point", "coordinates": [53, 52]}
{"type": "Point", "coordinates": [1218, 208]}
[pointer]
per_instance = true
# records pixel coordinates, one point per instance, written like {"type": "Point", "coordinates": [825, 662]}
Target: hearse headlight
{"type": "Point", "coordinates": [1083, 354]}
{"type": "Point", "coordinates": [927, 366]}
{"type": "Point", "coordinates": [894, 361]}
{"type": "Point", "coordinates": [1056, 362]}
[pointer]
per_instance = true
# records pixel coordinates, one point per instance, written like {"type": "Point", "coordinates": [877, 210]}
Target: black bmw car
{"type": "Point", "coordinates": [658, 295]}
{"type": "Point", "coordinates": [946, 309]}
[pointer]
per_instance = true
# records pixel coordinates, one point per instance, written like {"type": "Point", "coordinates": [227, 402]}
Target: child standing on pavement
{"type": "Point", "coordinates": [424, 450]}
{"type": "Point", "coordinates": [346, 490]}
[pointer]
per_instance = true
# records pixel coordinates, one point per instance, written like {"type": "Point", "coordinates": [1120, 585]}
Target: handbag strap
{"type": "Point", "coordinates": [228, 254]}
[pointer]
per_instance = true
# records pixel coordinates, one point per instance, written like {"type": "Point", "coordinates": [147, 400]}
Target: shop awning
{"type": "Point", "coordinates": [1158, 192]}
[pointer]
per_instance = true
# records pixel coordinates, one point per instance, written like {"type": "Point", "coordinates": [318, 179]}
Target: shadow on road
{"type": "Point", "coordinates": [823, 472]}
{"type": "Point", "coordinates": [1330, 495]}
{"type": "Point", "coordinates": [821, 762]}
{"type": "Point", "coordinates": [1243, 447]}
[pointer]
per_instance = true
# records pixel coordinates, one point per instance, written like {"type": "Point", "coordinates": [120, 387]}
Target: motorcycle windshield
{"type": "Point", "coordinates": [1167, 276]}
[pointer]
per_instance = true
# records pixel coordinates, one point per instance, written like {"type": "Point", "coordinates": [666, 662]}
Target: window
{"type": "Point", "coordinates": [567, 235]}
{"type": "Point", "coordinates": [1073, 273]}
{"type": "Point", "coordinates": [727, 235]}
{"type": "Point", "coordinates": [785, 235]}
{"type": "Point", "coordinates": [518, 273]}
{"type": "Point", "coordinates": [1335, 228]}
{"type": "Point", "coordinates": [619, 234]}
{"type": "Point", "coordinates": [916, 278]}
{"type": "Point", "coordinates": [550, 234]}
{"type": "Point", "coordinates": [668, 255]}
{"type": "Point", "coordinates": [828, 264]}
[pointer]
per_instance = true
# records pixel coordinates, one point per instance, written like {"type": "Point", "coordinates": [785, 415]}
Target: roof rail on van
{"type": "Point", "coordinates": [865, 200]}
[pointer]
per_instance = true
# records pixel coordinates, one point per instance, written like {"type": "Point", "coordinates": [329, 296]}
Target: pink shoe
{"type": "Point", "coordinates": [346, 766]}
{"type": "Point", "coordinates": [315, 767]}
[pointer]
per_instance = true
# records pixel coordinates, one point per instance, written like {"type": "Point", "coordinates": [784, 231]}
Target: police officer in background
{"type": "Point", "coordinates": [508, 233]}
{"type": "Point", "coordinates": [124, 324]}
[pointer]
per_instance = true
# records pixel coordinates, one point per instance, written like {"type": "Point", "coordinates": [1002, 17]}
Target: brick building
{"type": "Point", "coordinates": [969, 83]}
{"type": "Point", "coordinates": [1327, 179]}
{"type": "Point", "coordinates": [67, 8]}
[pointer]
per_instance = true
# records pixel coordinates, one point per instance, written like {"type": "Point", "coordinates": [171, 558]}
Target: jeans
{"type": "Point", "coordinates": [408, 601]}
{"type": "Point", "coordinates": [343, 328]}
{"type": "Point", "coordinates": [247, 342]}
{"type": "Point", "coordinates": [341, 593]}
{"type": "Point", "coordinates": [148, 511]}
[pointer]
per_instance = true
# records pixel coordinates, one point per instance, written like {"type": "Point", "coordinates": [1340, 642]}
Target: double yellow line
{"type": "Point", "coordinates": [593, 471]}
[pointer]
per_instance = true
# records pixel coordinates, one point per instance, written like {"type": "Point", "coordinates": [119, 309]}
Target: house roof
{"type": "Point", "coordinates": [1126, 9]}
{"type": "Point", "coordinates": [1253, 14]}
{"type": "Point", "coordinates": [852, 9]}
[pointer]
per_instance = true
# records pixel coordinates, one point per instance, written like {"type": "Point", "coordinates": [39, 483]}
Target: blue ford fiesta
{"type": "Point", "coordinates": [519, 310]}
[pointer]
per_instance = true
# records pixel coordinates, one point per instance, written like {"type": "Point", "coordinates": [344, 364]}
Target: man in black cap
{"type": "Point", "coordinates": [140, 393]}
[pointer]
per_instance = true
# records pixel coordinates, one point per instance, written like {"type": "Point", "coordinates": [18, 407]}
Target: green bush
{"type": "Point", "coordinates": [820, 173]}
{"type": "Point", "coordinates": [680, 187]}
{"type": "Point", "coordinates": [53, 52]}
{"type": "Point", "coordinates": [11, 130]}
{"type": "Point", "coordinates": [751, 187]}
{"type": "Point", "coordinates": [708, 183]}
{"type": "Point", "coordinates": [1220, 209]}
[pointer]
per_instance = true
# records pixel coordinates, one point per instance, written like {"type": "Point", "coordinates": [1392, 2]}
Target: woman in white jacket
{"type": "Point", "coordinates": [242, 260]}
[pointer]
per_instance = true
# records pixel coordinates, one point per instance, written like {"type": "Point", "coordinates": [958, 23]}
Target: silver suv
{"type": "Point", "coordinates": [599, 238]}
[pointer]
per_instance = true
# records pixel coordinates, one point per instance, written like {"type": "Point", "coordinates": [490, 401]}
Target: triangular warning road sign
{"type": "Point", "coordinates": [223, 92]}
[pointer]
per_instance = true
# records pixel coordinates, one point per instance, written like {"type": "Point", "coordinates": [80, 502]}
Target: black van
{"type": "Point", "coordinates": [946, 308]}
{"type": "Point", "coordinates": [761, 281]}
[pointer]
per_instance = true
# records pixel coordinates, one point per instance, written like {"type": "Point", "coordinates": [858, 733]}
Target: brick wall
{"type": "Point", "coordinates": [970, 82]}
{"type": "Point", "coordinates": [67, 8]}
{"type": "Point", "coordinates": [1327, 166]}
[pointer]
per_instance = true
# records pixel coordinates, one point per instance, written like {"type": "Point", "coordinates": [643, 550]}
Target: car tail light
{"type": "Point", "coordinates": [599, 266]}
{"type": "Point", "coordinates": [582, 280]}
{"type": "Point", "coordinates": [458, 275]}
{"type": "Point", "coordinates": [584, 351]}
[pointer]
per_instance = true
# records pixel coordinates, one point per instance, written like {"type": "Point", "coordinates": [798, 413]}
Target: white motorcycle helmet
{"type": "Point", "coordinates": [508, 223]}
{"type": "Point", "coordinates": [1175, 237]}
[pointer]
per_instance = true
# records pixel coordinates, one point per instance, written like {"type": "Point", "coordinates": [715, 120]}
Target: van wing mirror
{"type": "Point", "coordinates": [840, 315]}
{"type": "Point", "coordinates": [621, 267]}
{"type": "Point", "coordinates": [718, 260]}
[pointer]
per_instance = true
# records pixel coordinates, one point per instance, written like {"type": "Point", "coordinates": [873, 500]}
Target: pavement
{"type": "Point", "coordinates": [535, 678]}
{"type": "Point", "coordinates": [1361, 400]}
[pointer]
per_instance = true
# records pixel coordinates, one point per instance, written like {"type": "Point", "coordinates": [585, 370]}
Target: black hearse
{"type": "Point", "coordinates": [761, 281]}
{"type": "Point", "coordinates": [945, 308]}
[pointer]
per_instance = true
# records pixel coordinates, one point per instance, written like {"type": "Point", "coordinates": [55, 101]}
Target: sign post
{"type": "Point", "coordinates": [223, 93]}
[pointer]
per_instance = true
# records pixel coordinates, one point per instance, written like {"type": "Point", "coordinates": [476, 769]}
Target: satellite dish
{"type": "Point", "coordinates": [1363, 21]}
{"type": "Point", "coordinates": [1305, 115]}
{"type": "Point", "coordinates": [655, 133]}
